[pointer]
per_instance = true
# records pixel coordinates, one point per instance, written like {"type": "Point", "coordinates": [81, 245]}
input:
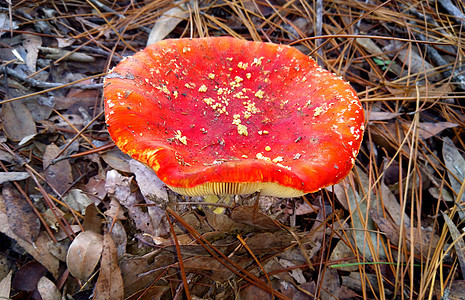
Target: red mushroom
{"type": "Point", "coordinates": [227, 116]}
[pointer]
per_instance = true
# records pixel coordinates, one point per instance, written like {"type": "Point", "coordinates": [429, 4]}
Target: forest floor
{"type": "Point", "coordinates": [80, 219]}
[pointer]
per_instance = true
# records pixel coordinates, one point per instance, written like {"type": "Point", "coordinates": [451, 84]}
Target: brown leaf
{"type": "Point", "coordinates": [31, 43]}
{"type": "Point", "coordinates": [117, 160]}
{"type": "Point", "coordinates": [17, 121]}
{"type": "Point", "coordinates": [92, 221]}
{"type": "Point", "coordinates": [12, 176]}
{"type": "Point", "coordinates": [140, 271]}
{"type": "Point", "coordinates": [209, 267]}
{"type": "Point", "coordinates": [252, 216]}
{"type": "Point", "coordinates": [27, 277]}
{"type": "Point", "coordinates": [48, 290]}
{"type": "Point", "coordinates": [5, 286]}
{"type": "Point", "coordinates": [22, 219]}
{"type": "Point", "coordinates": [110, 282]}
{"type": "Point", "coordinates": [118, 187]}
{"type": "Point", "coordinates": [41, 248]}
{"type": "Point", "coordinates": [459, 244]}
{"type": "Point", "coordinates": [456, 290]}
{"type": "Point", "coordinates": [59, 175]}
{"type": "Point", "coordinates": [84, 254]}
{"type": "Point", "coordinates": [425, 240]}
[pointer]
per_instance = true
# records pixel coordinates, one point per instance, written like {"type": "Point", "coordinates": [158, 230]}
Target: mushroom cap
{"type": "Point", "coordinates": [226, 116]}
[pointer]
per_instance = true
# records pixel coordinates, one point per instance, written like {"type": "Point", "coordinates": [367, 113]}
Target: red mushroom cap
{"type": "Point", "coordinates": [227, 116]}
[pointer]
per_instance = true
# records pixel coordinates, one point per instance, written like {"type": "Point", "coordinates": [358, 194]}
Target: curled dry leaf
{"type": "Point", "coordinates": [118, 187]}
{"type": "Point", "coordinates": [48, 290]}
{"type": "Point", "coordinates": [84, 254]}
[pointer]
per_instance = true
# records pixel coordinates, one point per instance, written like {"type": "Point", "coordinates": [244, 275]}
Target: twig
{"type": "Point", "coordinates": [453, 10]}
{"type": "Point", "coordinates": [43, 84]}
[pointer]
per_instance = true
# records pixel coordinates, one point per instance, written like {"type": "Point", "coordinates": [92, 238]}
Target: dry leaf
{"type": "Point", "coordinates": [22, 219]}
{"type": "Point", "coordinates": [59, 175]}
{"type": "Point", "coordinates": [140, 271]}
{"type": "Point", "coordinates": [151, 187]}
{"type": "Point", "coordinates": [116, 212]}
{"type": "Point", "coordinates": [425, 241]}
{"type": "Point", "coordinates": [17, 121]}
{"type": "Point", "coordinates": [92, 220]}
{"type": "Point", "coordinates": [167, 22]}
{"type": "Point", "coordinates": [119, 236]}
{"type": "Point", "coordinates": [12, 176]}
{"type": "Point", "coordinates": [77, 200]}
{"type": "Point", "coordinates": [382, 115]}
{"type": "Point", "coordinates": [455, 164]}
{"type": "Point", "coordinates": [353, 201]}
{"type": "Point", "coordinates": [41, 248]}
{"type": "Point", "coordinates": [84, 254]}
{"type": "Point", "coordinates": [459, 244]}
{"type": "Point", "coordinates": [27, 277]}
{"type": "Point", "coordinates": [110, 282]}
{"type": "Point", "coordinates": [117, 160]}
{"type": "Point", "coordinates": [48, 290]}
{"type": "Point", "coordinates": [455, 290]}
{"type": "Point", "coordinates": [355, 282]}
{"type": "Point", "coordinates": [5, 286]}
{"type": "Point", "coordinates": [118, 187]}
{"type": "Point", "coordinates": [31, 44]}
{"type": "Point", "coordinates": [250, 215]}
{"type": "Point", "coordinates": [344, 254]}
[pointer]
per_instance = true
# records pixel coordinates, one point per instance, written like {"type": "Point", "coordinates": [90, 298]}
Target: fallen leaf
{"type": "Point", "coordinates": [17, 121]}
{"type": "Point", "coordinates": [110, 282]}
{"type": "Point", "coordinates": [455, 290]}
{"type": "Point", "coordinates": [151, 187]}
{"type": "Point", "coordinates": [77, 200]}
{"type": "Point", "coordinates": [459, 244]}
{"type": "Point", "coordinates": [361, 221]}
{"type": "Point", "coordinates": [31, 44]}
{"type": "Point", "coordinates": [41, 248]}
{"type": "Point", "coordinates": [425, 241]}
{"type": "Point", "coordinates": [13, 176]}
{"type": "Point", "coordinates": [5, 286]}
{"type": "Point", "coordinates": [115, 212]}
{"type": "Point", "coordinates": [22, 219]}
{"type": "Point", "coordinates": [382, 115]}
{"type": "Point", "coordinates": [167, 22]}
{"type": "Point", "coordinates": [117, 160]}
{"type": "Point", "coordinates": [120, 237]}
{"type": "Point", "coordinates": [48, 290]}
{"type": "Point", "coordinates": [27, 277]}
{"type": "Point", "coordinates": [84, 254]}
{"type": "Point", "coordinates": [250, 215]}
{"type": "Point", "coordinates": [92, 221]}
{"type": "Point", "coordinates": [355, 282]}
{"type": "Point", "coordinates": [118, 186]}
{"type": "Point", "coordinates": [455, 165]}
{"type": "Point", "coordinates": [59, 175]}
{"type": "Point", "coordinates": [140, 271]}
{"type": "Point", "coordinates": [343, 254]}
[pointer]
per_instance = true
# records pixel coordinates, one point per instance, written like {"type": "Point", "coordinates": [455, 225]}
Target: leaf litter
{"type": "Point", "coordinates": [391, 229]}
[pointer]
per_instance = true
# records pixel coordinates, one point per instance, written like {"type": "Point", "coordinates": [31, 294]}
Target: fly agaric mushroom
{"type": "Point", "coordinates": [226, 116]}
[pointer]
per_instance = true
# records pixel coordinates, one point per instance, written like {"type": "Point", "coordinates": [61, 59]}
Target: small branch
{"type": "Point", "coordinates": [43, 84]}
